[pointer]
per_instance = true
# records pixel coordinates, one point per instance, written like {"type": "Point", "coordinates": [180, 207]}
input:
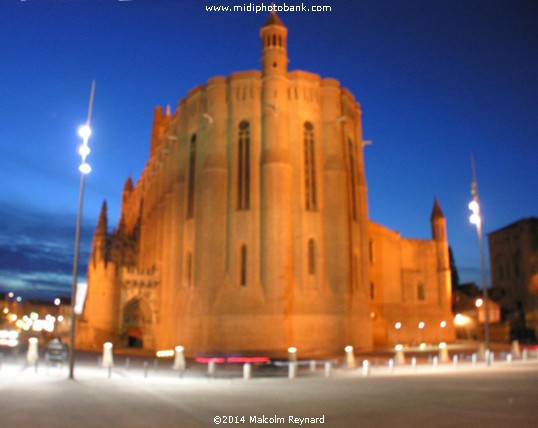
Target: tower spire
{"type": "Point", "coordinates": [438, 222]}
{"type": "Point", "coordinates": [436, 211]}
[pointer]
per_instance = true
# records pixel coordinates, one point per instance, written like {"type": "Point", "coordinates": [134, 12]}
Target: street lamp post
{"type": "Point", "coordinates": [476, 219]}
{"type": "Point", "coordinates": [84, 132]}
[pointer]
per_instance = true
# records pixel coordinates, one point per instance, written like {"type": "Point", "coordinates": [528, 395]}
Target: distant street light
{"type": "Point", "coordinates": [476, 219]}
{"type": "Point", "coordinates": [84, 132]}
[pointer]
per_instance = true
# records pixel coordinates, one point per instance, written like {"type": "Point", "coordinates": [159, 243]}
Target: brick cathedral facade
{"type": "Point", "coordinates": [248, 229]}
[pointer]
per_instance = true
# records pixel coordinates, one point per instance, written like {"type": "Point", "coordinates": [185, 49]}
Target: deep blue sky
{"type": "Point", "coordinates": [436, 80]}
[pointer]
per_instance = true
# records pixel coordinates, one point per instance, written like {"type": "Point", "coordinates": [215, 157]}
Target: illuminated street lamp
{"type": "Point", "coordinates": [84, 132]}
{"type": "Point", "coordinates": [476, 219]}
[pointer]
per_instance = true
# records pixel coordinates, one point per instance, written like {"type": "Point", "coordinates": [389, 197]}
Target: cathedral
{"type": "Point", "coordinates": [248, 231]}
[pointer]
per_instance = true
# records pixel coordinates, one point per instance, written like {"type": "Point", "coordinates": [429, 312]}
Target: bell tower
{"type": "Point", "coordinates": [274, 47]}
{"type": "Point", "coordinates": [276, 201]}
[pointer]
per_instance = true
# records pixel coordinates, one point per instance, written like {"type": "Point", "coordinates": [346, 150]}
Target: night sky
{"type": "Point", "coordinates": [436, 80]}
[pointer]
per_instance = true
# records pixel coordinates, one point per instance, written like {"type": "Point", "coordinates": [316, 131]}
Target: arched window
{"type": "Point", "coordinates": [243, 167]}
{"type": "Point", "coordinates": [192, 177]}
{"type": "Point", "coordinates": [311, 257]}
{"type": "Point", "coordinates": [243, 267]}
{"type": "Point", "coordinates": [353, 178]}
{"type": "Point", "coordinates": [309, 168]}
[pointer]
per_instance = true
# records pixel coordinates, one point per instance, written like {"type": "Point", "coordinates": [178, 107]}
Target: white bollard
{"type": "Point", "coordinates": [211, 368]}
{"type": "Point", "coordinates": [391, 366]}
{"type": "Point", "coordinates": [435, 362]}
{"type": "Point", "coordinates": [509, 358]}
{"type": "Point", "coordinates": [443, 353]}
{"type": "Point", "coordinates": [108, 360]}
{"type": "Point", "coordinates": [455, 360]}
{"type": "Point", "coordinates": [524, 355]}
{"type": "Point", "coordinates": [179, 359]}
{"type": "Point", "coordinates": [328, 369]}
{"type": "Point", "coordinates": [350, 357]}
{"type": "Point", "coordinates": [366, 368]}
{"type": "Point", "coordinates": [32, 355]}
{"type": "Point", "coordinates": [399, 356]}
{"type": "Point", "coordinates": [247, 371]}
{"type": "Point", "coordinates": [292, 354]}
{"type": "Point", "coordinates": [474, 358]}
{"type": "Point", "coordinates": [313, 366]}
{"type": "Point", "coordinates": [292, 370]}
{"type": "Point", "coordinates": [414, 364]}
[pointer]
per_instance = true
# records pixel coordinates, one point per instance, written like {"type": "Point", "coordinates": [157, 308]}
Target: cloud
{"type": "Point", "coordinates": [36, 251]}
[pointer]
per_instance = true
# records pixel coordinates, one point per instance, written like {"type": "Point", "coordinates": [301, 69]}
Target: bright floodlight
{"type": "Point", "coordinates": [443, 324]}
{"type": "Point", "coordinates": [84, 151]}
{"type": "Point", "coordinates": [475, 219]}
{"type": "Point", "coordinates": [442, 345]}
{"type": "Point", "coordinates": [474, 207]}
{"type": "Point", "coordinates": [85, 168]}
{"type": "Point", "coordinates": [179, 348]}
{"type": "Point", "coordinates": [292, 349]}
{"type": "Point", "coordinates": [84, 132]}
{"type": "Point", "coordinates": [57, 301]}
{"type": "Point", "coordinates": [421, 325]}
{"type": "Point", "coordinates": [475, 216]}
{"type": "Point", "coordinates": [398, 325]}
{"type": "Point", "coordinates": [479, 302]}
{"type": "Point", "coordinates": [398, 347]}
{"type": "Point", "coordinates": [348, 348]}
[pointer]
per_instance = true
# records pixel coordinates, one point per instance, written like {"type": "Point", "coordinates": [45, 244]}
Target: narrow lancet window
{"type": "Point", "coordinates": [309, 168]}
{"type": "Point", "coordinates": [243, 272]}
{"type": "Point", "coordinates": [192, 177]}
{"type": "Point", "coordinates": [311, 257]}
{"type": "Point", "coordinates": [243, 167]}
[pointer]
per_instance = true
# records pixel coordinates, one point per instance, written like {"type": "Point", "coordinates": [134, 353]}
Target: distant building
{"type": "Point", "coordinates": [514, 273]}
{"type": "Point", "coordinates": [248, 230]}
{"type": "Point", "coordinates": [470, 315]}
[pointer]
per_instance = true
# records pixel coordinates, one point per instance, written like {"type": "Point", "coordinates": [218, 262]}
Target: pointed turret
{"type": "Point", "coordinates": [438, 222]}
{"type": "Point", "coordinates": [100, 237]}
{"type": "Point", "coordinates": [102, 223]}
{"type": "Point", "coordinates": [436, 211]}
{"type": "Point", "coordinates": [128, 186]}
{"type": "Point", "coordinates": [273, 19]}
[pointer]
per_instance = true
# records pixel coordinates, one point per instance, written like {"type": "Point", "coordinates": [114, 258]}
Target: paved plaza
{"type": "Point", "coordinates": [138, 393]}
